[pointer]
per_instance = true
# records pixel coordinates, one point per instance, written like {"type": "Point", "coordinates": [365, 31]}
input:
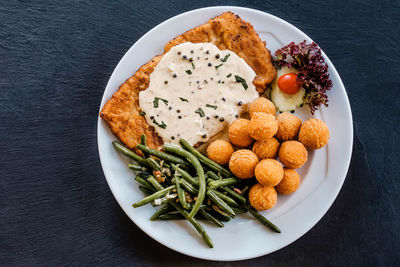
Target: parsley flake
{"type": "Point", "coordinates": [162, 124]}
{"type": "Point", "coordinates": [189, 72]}
{"type": "Point", "coordinates": [225, 58]}
{"type": "Point", "coordinates": [200, 112]}
{"type": "Point", "coordinates": [242, 81]}
{"type": "Point", "coordinates": [211, 106]}
{"type": "Point", "coordinates": [156, 99]}
{"type": "Point", "coordinates": [183, 99]}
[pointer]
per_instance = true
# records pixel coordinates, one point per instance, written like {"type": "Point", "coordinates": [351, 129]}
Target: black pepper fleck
{"type": "Point", "coordinates": [240, 103]}
{"type": "Point", "coordinates": [204, 136]}
{"type": "Point", "coordinates": [178, 134]}
{"type": "Point", "coordinates": [172, 137]}
{"type": "Point", "coordinates": [209, 64]}
{"type": "Point", "coordinates": [179, 117]}
{"type": "Point", "coordinates": [191, 51]}
{"type": "Point", "coordinates": [207, 118]}
{"type": "Point", "coordinates": [223, 99]}
{"type": "Point", "coordinates": [206, 58]}
{"type": "Point", "coordinates": [207, 52]}
{"type": "Point", "coordinates": [219, 81]}
{"type": "Point", "coordinates": [166, 82]}
{"type": "Point", "coordinates": [221, 119]}
{"type": "Point", "coordinates": [216, 116]}
{"type": "Point", "coordinates": [178, 110]}
{"type": "Point", "coordinates": [217, 56]}
{"type": "Point", "coordinates": [151, 117]}
{"type": "Point", "coordinates": [191, 59]}
{"type": "Point", "coordinates": [174, 75]}
{"type": "Point", "coordinates": [198, 58]}
{"type": "Point", "coordinates": [184, 57]}
{"type": "Point", "coordinates": [179, 53]}
{"type": "Point", "coordinates": [197, 81]}
{"type": "Point", "coordinates": [237, 116]}
{"type": "Point", "coordinates": [169, 108]}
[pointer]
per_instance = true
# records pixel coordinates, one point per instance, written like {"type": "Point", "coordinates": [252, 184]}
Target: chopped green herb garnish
{"type": "Point", "coordinates": [242, 81]}
{"type": "Point", "coordinates": [193, 66]}
{"type": "Point", "coordinates": [183, 99]}
{"type": "Point", "coordinates": [162, 124]}
{"type": "Point", "coordinates": [225, 58]}
{"type": "Point", "coordinates": [216, 67]}
{"type": "Point", "coordinates": [229, 75]}
{"type": "Point", "coordinates": [211, 106]}
{"type": "Point", "coordinates": [156, 99]}
{"type": "Point", "coordinates": [189, 72]}
{"type": "Point", "coordinates": [200, 112]}
{"type": "Point", "coordinates": [142, 113]}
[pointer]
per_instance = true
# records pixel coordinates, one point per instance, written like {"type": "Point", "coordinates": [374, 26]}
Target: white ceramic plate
{"type": "Point", "coordinates": [241, 238]}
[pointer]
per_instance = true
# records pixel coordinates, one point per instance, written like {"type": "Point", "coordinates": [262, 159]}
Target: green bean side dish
{"type": "Point", "coordinates": [185, 184]}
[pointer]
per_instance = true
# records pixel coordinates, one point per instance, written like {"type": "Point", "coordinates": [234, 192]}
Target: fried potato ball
{"type": "Point", "coordinates": [289, 183]}
{"type": "Point", "coordinates": [262, 104]}
{"type": "Point", "coordinates": [238, 133]}
{"type": "Point", "coordinates": [263, 126]}
{"type": "Point", "coordinates": [220, 151]}
{"type": "Point", "coordinates": [288, 126]}
{"type": "Point", "coordinates": [269, 172]}
{"type": "Point", "coordinates": [266, 149]}
{"type": "Point", "coordinates": [242, 163]}
{"type": "Point", "coordinates": [262, 197]}
{"type": "Point", "coordinates": [293, 154]}
{"type": "Point", "coordinates": [314, 134]}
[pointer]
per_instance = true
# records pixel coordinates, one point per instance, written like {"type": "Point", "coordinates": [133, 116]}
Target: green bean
{"type": "Point", "coordinates": [155, 183]}
{"type": "Point", "coordinates": [144, 175]}
{"type": "Point", "coordinates": [226, 198]}
{"type": "Point", "coordinates": [193, 221]}
{"type": "Point", "coordinates": [145, 190]}
{"type": "Point", "coordinates": [200, 172]}
{"type": "Point", "coordinates": [150, 198]}
{"type": "Point", "coordinates": [129, 153]}
{"type": "Point", "coordinates": [153, 164]}
{"type": "Point", "coordinates": [263, 220]}
{"type": "Point", "coordinates": [181, 194]}
{"type": "Point", "coordinates": [169, 216]}
{"type": "Point", "coordinates": [239, 210]}
{"type": "Point", "coordinates": [223, 182]}
{"type": "Point", "coordinates": [163, 200]}
{"type": "Point", "coordinates": [222, 214]}
{"type": "Point", "coordinates": [211, 218]}
{"type": "Point", "coordinates": [211, 164]}
{"type": "Point", "coordinates": [136, 167]}
{"type": "Point", "coordinates": [213, 176]}
{"type": "Point", "coordinates": [186, 175]}
{"type": "Point", "coordinates": [144, 183]}
{"type": "Point", "coordinates": [144, 142]}
{"type": "Point", "coordinates": [162, 155]}
{"type": "Point", "coordinates": [190, 188]}
{"type": "Point", "coordinates": [234, 195]}
{"type": "Point", "coordinates": [162, 210]}
{"type": "Point", "coordinates": [220, 203]}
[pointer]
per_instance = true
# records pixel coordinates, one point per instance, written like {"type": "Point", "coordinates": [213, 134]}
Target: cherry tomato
{"type": "Point", "coordinates": [288, 83]}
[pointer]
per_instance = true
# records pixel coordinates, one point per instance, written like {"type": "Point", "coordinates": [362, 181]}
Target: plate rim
{"type": "Point", "coordinates": [347, 160]}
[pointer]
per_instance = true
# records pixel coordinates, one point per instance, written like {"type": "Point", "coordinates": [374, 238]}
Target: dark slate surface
{"type": "Point", "coordinates": [55, 60]}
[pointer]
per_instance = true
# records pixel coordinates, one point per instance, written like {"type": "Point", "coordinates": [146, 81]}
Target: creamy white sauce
{"type": "Point", "coordinates": [196, 98]}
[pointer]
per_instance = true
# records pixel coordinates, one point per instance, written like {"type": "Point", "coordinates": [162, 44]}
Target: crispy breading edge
{"type": "Point", "coordinates": [227, 31]}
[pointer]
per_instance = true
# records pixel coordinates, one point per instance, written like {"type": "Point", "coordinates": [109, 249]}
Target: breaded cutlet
{"type": "Point", "coordinates": [227, 31]}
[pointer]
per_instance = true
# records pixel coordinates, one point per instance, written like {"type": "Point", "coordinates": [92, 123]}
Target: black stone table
{"type": "Point", "coordinates": [55, 60]}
